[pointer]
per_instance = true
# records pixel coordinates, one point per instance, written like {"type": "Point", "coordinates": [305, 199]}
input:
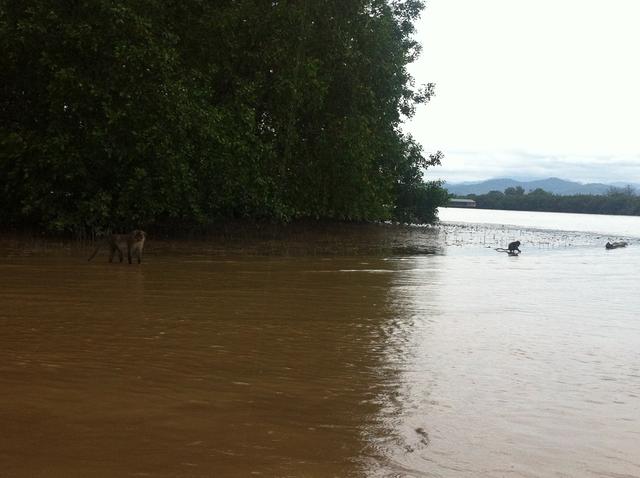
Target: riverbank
{"type": "Point", "coordinates": [301, 238]}
{"type": "Point", "coordinates": [458, 230]}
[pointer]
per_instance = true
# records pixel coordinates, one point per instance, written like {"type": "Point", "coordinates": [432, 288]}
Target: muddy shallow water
{"type": "Point", "coordinates": [362, 352]}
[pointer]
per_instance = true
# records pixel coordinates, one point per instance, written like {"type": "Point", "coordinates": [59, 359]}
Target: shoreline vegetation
{"type": "Point", "coordinates": [617, 201]}
{"type": "Point", "coordinates": [183, 115]}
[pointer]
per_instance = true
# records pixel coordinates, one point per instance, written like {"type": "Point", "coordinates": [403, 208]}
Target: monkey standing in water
{"type": "Point", "coordinates": [513, 247]}
{"type": "Point", "coordinates": [132, 242]}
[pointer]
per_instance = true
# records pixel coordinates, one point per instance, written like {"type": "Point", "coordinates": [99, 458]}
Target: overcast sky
{"type": "Point", "coordinates": [531, 89]}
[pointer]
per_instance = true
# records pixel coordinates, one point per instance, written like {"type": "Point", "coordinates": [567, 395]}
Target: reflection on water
{"type": "Point", "coordinates": [525, 366]}
{"type": "Point", "coordinates": [349, 354]}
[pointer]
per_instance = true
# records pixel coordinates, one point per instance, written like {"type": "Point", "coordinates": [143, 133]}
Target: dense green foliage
{"type": "Point", "coordinates": [617, 201]}
{"type": "Point", "coordinates": [115, 113]}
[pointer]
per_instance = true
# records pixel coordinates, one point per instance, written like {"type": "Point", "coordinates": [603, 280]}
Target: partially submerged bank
{"type": "Point", "coordinates": [297, 238]}
{"type": "Point", "coordinates": [316, 238]}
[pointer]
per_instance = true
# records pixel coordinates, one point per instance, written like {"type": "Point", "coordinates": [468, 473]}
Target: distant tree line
{"type": "Point", "coordinates": [116, 113]}
{"type": "Point", "coordinates": [622, 201]}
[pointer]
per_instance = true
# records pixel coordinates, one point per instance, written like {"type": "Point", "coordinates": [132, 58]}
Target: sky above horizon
{"type": "Point", "coordinates": [530, 89]}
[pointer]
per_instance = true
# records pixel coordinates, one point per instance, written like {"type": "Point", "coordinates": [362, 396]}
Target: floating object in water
{"type": "Point", "coordinates": [615, 245]}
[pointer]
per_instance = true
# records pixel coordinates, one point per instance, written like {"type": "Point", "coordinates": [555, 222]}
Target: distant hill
{"type": "Point", "coordinates": [552, 185]}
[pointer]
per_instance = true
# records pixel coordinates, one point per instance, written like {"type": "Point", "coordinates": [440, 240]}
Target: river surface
{"type": "Point", "coordinates": [368, 351]}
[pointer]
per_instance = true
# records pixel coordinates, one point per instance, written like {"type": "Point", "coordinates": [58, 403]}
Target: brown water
{"type": "Point", "coordinates": [367, 352]}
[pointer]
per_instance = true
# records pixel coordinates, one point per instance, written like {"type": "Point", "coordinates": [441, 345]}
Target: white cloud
{"type": "Point", "coordinates": [548, 87]}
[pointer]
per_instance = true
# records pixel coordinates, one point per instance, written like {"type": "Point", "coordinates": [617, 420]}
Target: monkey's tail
{"type": "Point", "coordinates": [94, 253]}
{"type": "Point", "coordinates": [511, 253]}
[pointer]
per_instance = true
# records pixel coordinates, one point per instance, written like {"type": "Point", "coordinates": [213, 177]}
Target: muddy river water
{"type": "Point", "coordinates": [366, 352]}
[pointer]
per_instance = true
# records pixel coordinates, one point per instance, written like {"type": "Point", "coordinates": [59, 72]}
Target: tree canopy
{"type": "Point", "coordinates": [119, 112]}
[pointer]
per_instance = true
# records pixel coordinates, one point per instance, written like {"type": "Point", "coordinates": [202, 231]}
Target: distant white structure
{"type": "Point", "coordinates": [461, 203]}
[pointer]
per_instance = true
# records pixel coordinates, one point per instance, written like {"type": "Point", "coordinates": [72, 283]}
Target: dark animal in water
{"type": "Point", "coordinates": [132, 242]}
{"type": "Point", "coordinates": [615, 245]}
{"type": "Point", "coordinates": [513, 249]}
